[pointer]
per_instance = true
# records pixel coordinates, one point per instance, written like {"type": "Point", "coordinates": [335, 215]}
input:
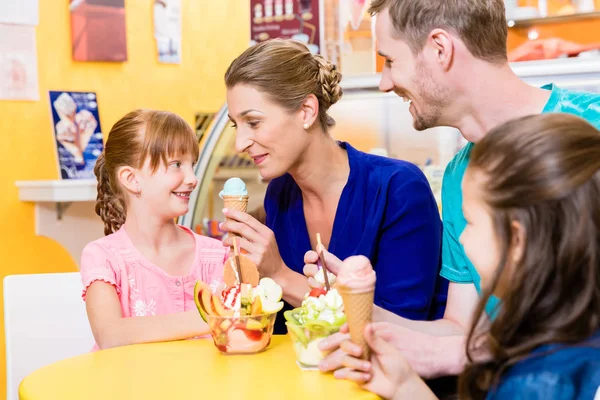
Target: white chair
{"type": "Point", "coordinates": [45, 321]}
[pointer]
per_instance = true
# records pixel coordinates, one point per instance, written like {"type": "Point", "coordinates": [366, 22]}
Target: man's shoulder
{"type": "Point", "coordinates": [455, 170]}
{"type": "Point", "coordinates": [583, 104]}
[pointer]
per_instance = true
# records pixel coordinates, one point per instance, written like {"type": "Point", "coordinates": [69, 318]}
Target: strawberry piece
{"type": "Point", "coordinates": [222, 348]}
{"type": "Point", "coordinates": [234, 291]}
{"type": "Point", "coordinates": [316, 292]}
{"type": "Point", "coordinates": [253, 335]}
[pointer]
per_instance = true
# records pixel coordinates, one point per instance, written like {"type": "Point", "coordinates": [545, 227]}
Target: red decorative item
{"type": "Point", "coordinates": [545, 49]}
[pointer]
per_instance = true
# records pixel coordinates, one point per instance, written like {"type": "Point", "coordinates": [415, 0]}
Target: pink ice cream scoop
{"type": "Point", "coordinates": [356, 275]}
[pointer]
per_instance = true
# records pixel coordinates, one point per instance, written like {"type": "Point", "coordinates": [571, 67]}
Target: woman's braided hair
{"type": "Point", "coordinates": [288, 73]}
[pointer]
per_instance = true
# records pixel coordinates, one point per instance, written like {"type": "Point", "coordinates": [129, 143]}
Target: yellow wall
{"type": "Point", "coordinates": [214, 32]}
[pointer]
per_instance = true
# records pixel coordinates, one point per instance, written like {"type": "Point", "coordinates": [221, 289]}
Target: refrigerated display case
{"type": "Point", "coordinates": [369, 120]}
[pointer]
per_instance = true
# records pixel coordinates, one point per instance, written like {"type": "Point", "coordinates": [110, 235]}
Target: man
{"type": "Point", "coordinates": [448, 58]}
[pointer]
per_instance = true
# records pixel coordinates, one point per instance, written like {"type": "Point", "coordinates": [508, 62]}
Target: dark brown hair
{"type": "Point", "coordinates": [541, 171]}
{"type": "Point", "coordinates": [288, 73]}
{"type": "Point", "coordinates": [135, 137]}
{"type": "Point", "coordinates": [480, 24]}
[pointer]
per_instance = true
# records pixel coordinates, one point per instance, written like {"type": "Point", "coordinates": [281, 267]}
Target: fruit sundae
{"type": "Point", "coordinates": [240, 316]}
{"type": "Point", "coordinates": [320, 315]}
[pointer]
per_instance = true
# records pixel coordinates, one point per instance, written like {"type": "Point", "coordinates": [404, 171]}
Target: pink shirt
{"type": "Point", "coordinates": [144, 288]}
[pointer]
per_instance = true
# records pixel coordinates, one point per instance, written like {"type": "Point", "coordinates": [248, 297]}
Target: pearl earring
{"type": "Point", "coordinates": [306, 126]}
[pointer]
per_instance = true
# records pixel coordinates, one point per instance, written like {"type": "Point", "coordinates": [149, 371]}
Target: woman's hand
{"type": "Point", "coordinates": [311, 269]}
{"type": "Point", "coordinates": [257, 240]}
{"type": "Point", "coordinates": [385, 373]}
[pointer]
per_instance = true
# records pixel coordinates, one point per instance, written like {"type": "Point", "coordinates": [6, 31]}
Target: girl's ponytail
{"type": "Point", "coordinates": [109, 205]}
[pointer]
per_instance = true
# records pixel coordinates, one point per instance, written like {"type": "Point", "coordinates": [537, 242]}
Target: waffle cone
{"type": "Point", "coordinates": [239, 203]}
{"type": "Point", "coordinates": [359, 310]}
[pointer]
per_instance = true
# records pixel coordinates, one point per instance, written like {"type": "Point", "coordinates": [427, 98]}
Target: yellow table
{"type": "Point", "coordinates": [189, 369]}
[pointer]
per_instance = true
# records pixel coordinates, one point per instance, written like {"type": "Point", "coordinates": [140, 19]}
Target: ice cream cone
{"type": "Point", "coordinates": [356, 285]}
{"type": "Point", "coordinates": [239, 203]}
{"type": "Point", "coordinates": [359, 310]}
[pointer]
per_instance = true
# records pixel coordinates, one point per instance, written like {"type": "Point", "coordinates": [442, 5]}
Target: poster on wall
{"type": "Point", "coordinates": [98, 30]}
{"type": "Point", "coordinates": [18, 63]}
{"type": "Point", "coordinates": [358, 10]}
{"type": "Point", "coordinates": [357, 48]}
{"type": "Point", "coordinates": [167, 30]}
{"type": "Point", "coordinates": [77, 133]}
{"type": "Point", "coordinates": [287, 19]}
{"type": "Point", "coordinates": [19, 12]}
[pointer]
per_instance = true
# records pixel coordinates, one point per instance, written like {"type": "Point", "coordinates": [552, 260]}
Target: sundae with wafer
{"type": "Point", "coordinates": [241, 311]}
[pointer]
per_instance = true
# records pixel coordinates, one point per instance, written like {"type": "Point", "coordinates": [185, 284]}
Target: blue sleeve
{"type": "Point", "coordinates": [408, 258]}
{"type": "Point", "coordinates": [536, 386]}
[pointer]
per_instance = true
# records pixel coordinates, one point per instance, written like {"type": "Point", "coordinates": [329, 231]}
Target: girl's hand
{"type": "Point", "coordinates": [311, 269]}
{"type": "Point", "coordinates": [257, 240]}
{"type": "Point", "coordinates": [384, 374]}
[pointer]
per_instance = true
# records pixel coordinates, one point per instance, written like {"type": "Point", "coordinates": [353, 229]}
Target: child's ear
{"type": "Point", "coordinates": [128, 180]}
{"type": "Point", "coordinates": [517, 247]}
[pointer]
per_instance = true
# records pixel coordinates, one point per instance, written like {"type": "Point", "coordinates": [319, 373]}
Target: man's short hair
{"type": "Point", "coordinates": [480, 24]}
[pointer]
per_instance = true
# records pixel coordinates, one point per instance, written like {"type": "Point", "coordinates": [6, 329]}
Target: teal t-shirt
{"type": "Point", "coordinates": [456, 267]}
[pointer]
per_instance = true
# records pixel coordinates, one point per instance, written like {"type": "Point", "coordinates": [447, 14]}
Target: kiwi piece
{"type": "Point", "coordinates": [339, 322]}
{"type": "Point", "coordinates": [297, 332]}
{"type": "Point", "coordinates": [319, 327]}
{"type": "Point", "coordinates": [291, 315]}
{"type": "Point", "coordinates": [288, 315]}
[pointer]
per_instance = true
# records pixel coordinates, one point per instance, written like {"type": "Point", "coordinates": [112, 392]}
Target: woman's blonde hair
{"type": "Point", "coordinates": [288, 73]}
{"type": "Point", "coordinates": [135, 137]}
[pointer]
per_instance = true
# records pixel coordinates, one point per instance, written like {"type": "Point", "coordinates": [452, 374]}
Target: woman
{"type": "Point", "coordinates": [278, 95]}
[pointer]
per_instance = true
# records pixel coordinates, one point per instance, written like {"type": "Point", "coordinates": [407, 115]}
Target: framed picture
{"type": "Point", "coordinates": [98, 30]}
{"type": "Point", "coordinates": [77, 133]}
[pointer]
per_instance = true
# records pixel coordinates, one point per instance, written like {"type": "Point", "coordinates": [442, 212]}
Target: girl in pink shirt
{"type": "Point", "coordinates": [139, 279]}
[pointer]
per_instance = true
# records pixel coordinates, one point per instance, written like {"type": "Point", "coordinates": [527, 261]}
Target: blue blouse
{"type": "Point", "coordinates": [554, 372]}
{"type": "Point", "coordinates": [387, 213]}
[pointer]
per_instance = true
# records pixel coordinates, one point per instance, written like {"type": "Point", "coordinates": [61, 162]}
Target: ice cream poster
{"type": "Point", "coordinates": [77, 133]}
{"type": "Point", "coordinates": [287, 19]}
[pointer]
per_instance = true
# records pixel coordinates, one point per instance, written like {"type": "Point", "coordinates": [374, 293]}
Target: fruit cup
{"type": "Point", "coordinates": [241, 335]}
{"type": "Point", "coordinates": [306, 338]}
